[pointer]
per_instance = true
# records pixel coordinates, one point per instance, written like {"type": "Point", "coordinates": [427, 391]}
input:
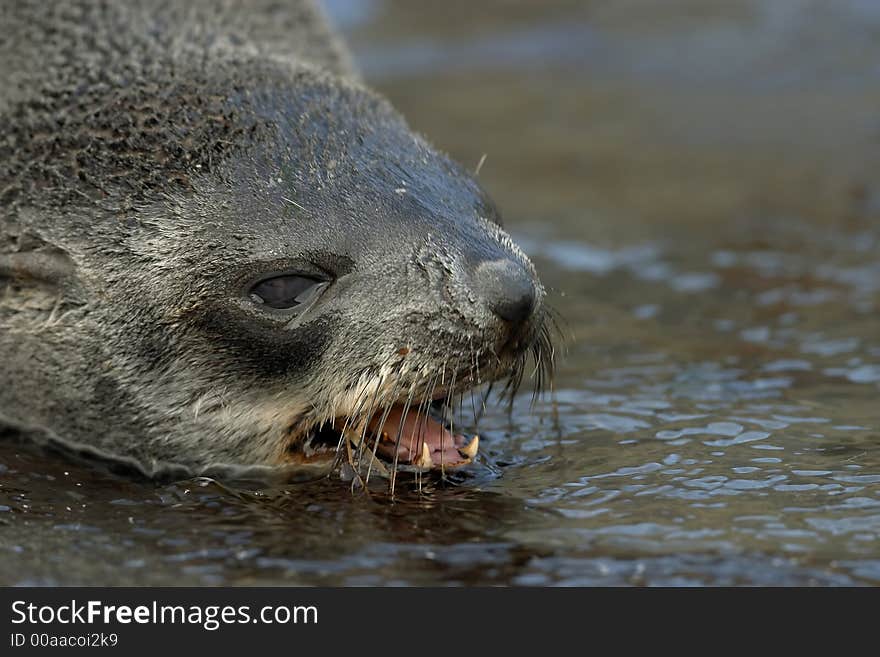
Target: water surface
{"type": "Point", "coordinates": [698, 190]}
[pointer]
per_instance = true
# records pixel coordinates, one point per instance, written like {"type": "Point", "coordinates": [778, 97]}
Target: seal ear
{"type": "Point", "coordinates": [44, 265]}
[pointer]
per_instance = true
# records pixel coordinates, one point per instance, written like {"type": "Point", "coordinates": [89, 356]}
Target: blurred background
{"type": "Point", "coordinates": [622, 120]}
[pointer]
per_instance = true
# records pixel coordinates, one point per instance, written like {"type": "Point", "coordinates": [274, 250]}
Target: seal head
{"type": "Point", "coordinates": [211, 255]}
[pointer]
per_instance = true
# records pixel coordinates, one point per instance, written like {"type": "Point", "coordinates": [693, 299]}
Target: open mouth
{"type": "Point", "coordinates": [420, 440]}
{"type": "Point", "coordinates": [409, 439]}
{"type": "Point", "coordinates": [417, 437]}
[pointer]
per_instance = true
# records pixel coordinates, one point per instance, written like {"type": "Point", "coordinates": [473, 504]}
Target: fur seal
{"type": "Point", "coordinates": [219, 248]}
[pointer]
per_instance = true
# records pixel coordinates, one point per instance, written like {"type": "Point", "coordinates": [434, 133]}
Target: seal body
{"type": "Point", "coordinates": [214, 240]}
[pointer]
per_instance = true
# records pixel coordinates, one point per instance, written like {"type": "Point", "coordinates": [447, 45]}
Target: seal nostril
{"type": "Point", "coordinates": [515, 311]}
{"type": "Point", "coordinates": [507, 289]}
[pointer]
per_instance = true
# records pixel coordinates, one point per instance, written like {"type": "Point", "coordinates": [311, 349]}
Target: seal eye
{"type": "Point", "coordinates": [286, 291]}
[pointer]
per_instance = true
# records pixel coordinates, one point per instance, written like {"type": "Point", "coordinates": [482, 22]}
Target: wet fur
{"type": "Point", "coordinates": [153, 157]}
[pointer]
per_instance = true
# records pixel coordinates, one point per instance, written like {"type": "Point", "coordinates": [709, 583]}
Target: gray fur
{"type": "Point", "coordinates": [157, 156]}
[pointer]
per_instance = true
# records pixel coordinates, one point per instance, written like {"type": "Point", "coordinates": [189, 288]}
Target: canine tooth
{"type": "Point", "coordinates": [470, 450]}
{"type": "Point", "coordinates": [424, 460]}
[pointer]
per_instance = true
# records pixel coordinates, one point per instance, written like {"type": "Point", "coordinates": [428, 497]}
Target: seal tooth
{"type": "Point", "coordinates": [470, 450]}
{"type": "Point", "coordinates": [424, 460]}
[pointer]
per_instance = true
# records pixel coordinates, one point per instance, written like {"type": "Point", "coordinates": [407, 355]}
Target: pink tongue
{"type": "Point", "coordinates": [415, 430]}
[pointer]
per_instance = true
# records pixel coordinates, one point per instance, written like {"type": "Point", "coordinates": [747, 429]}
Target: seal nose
{"type": "Point", "coordinates": [506, 287]}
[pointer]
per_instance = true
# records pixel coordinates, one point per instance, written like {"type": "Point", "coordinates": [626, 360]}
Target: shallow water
{"type": "Point", "coordinates": [698, 190]}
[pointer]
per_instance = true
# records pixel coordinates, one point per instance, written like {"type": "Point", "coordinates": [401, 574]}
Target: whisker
{"type": "Point", "coordinates": [381, 427]}
{"type": "Point", "coordinates": [483, 400]}
{"type": "Point", "coordinates": [450, 393]}
{"type": "Point", "coordinates": [423, 418]}
{"type": "Point", "coordinates": [366, 419]}
{"type": "Point", "coordinates": [406, 407]}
